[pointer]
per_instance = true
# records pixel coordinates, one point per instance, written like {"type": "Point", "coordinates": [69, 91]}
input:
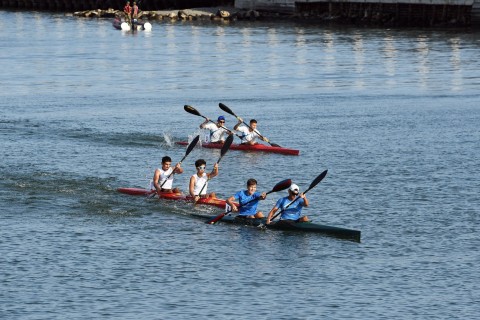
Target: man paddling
{"type": "Point", "coordinates": [249, 134]}
{"type": "Point", "coordinates": [199, 181]}
{"type": "Point", "coordinates": [163, 177]}
{"type": "Point", "coordinates": [248, 200]}
{"type": "Point", "coordinates": [291, 208]}
{"type": "Point", "coordinates": [218, 132]}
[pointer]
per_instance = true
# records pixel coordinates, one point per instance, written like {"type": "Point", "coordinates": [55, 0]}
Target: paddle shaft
{"type": "Point", "coordinates": [226, 146]}
{"type": "Point", "coordinates": [195, 112]}
{"type": "Point", "coordinates": [230, 131]}
{"type": "Point", "coordinates": [223, 214]}
{"type": "Point", "coordinates": [312, 185]}
{"type": "Point", "coordinates": [228, 110]}
{"type": "Point", "coordinates": [172, 173]}
{"type": "Point", "coordinates": [187, 152]}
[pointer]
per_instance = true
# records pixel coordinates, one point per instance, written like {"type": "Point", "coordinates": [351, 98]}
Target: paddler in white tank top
{"type": "Point", "coordinates": [161, 180]}
{"type": "Point", "coordinates": [218, 132]}
{"type": "Point", "coordinates": [249, 135]}
{"type": "Point", "coordinates": [198, 180]}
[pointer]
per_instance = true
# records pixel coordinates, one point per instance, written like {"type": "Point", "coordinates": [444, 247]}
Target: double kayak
{"type": "Point", "coordinates": [247, 147]}
{"type": "Point", "coordinates": [220, 203]}
{"type": "Point", "coordinates": [309, 227]}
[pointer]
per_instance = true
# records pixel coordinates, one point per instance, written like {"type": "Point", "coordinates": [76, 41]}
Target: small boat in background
{"type": "Point", "coordinates": [123, 25]}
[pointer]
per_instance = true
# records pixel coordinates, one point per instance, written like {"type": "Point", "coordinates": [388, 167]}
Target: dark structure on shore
{"type": "Point", "coordinates": [78, 5]}
{"type": "Point", "coordinates": [391, 13]}
{"type": "Point", "coordinates": [387, 13]}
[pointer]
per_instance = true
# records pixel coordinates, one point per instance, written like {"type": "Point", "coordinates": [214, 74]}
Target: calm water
{"type": "Point", "coordinates": [85, 109]}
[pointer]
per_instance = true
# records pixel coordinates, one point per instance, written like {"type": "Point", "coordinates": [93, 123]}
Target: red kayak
{"type": "Point", "coordinates": [174, 196]}
{"type": "Point", "coordinates": [247, 147]}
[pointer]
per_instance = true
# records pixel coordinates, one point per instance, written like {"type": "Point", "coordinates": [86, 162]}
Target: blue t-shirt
{"type": "Point", "coordinates": [294, 210]}
{"type": "Point", "coordinates": [244, 197]}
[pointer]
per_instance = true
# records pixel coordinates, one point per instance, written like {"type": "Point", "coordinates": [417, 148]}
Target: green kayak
{"type": "Point", "coordinates": [286, 225]}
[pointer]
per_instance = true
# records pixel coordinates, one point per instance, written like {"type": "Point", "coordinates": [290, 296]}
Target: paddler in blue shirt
{"type": "Point", "coordinates": [163, 177]}
{"type": "Point", "coordinates": [294, 210]}
{"type": "Point", "coordinates": [249, 210]}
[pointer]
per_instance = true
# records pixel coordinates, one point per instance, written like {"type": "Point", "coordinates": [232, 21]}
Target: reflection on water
{"type": "Point", "coordinates": [241, 56]}
{"type": "Point", "coordinates": [456, 64]}
{"type": "Point", "coordinates": [85, 109]}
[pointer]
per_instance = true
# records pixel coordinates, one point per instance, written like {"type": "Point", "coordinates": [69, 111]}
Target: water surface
{"type": "Point", "coordinates": [392, 114]}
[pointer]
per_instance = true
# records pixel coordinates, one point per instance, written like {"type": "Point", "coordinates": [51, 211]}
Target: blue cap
{"type": "Point", "coordinates": [221, 118]}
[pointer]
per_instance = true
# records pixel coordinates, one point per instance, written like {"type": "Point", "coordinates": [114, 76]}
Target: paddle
{"type": "Point", "coordinates": [312, 185]}
{"type": "Point", "coordinates": [224, 150]}
{"type": "Point", "coordinates": [282, 185]}
{"type": "Point", "coordinates": [228, 110]}
{"type": "Point", "coordinates": [194, 111]}
{"type": "Point", "coordinates": [189, 149]}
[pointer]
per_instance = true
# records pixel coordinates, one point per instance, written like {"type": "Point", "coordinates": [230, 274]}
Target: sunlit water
{"type": "Point", "coordinates": [85, 109]}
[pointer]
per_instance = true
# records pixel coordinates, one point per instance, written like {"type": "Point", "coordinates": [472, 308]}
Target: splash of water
{"type": "Point", "coordinates": [168, 139]}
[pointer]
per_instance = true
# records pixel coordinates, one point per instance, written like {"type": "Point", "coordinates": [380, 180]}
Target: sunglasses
{"type": "Point", "coordinates": [221, 121]}
{"type": "Point", "coordinates": [201, 168]}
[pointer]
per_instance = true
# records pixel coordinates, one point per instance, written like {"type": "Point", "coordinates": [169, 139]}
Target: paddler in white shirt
{"type": "Point", "coordinates": [249, 135]}
{"type": "Point", "coordinates": [218, 132]}
{"type": "Point", "coordinates": [163, 177]}
{"type": "Point", "coordinates": [199, 179]}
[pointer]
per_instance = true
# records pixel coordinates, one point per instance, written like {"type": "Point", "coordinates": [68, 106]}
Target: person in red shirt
{"type": "Point", "coordinates": [128, 12]}
{"type": "Point", "coordinates": [135, 10]}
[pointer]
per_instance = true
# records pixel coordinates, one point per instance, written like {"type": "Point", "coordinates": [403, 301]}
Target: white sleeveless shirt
{"type": "Point", "coordinates": [199, 182]}
{"type": "Point", "coordinates": [163, 177]}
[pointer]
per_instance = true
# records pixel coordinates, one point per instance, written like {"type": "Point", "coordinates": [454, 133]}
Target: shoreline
{"type": "Point", "coordinates": [373, 19]}
{"type": "Point", "coordinates": [203, 13]}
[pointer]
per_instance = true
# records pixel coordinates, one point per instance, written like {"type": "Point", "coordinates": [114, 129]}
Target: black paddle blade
{"type": "Point", "coordinates": [191, 110]}
{"type": "Point", "coordinates": [226, 145]}
{"type": "Point", "coordinates": [282, 185]}
{"type": "Point", "coordinates": [226, 109]}
{"type": "Point", "coordinates": [192, 145]}
{"type": "Point", "coordinates": [275, 145]}
{"type": "Point", "coordinates": [317, 180]}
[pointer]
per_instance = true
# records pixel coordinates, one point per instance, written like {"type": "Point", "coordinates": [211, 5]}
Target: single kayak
{"type": "Point", "coordinates": [221, 203]}
{"type": "Point", "coordinates": [247, 147]}
{"type": "Point", "coordinates": [310, 227]}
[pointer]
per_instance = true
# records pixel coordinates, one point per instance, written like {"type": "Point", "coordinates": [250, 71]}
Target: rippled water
{"type": "Point", "coordinates": [85, 109]}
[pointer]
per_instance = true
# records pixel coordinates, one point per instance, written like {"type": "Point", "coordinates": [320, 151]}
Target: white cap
{"type": "Point", "coordinates": [294, 188]}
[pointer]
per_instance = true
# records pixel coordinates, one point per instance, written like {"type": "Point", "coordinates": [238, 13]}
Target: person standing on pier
{"type": "Point", "coordinates": [135, 10]}
{"type": "Point", "coordinates": [128, 13]}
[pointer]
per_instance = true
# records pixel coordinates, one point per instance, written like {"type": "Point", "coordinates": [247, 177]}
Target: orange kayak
{"type": "Point", "coordinates": [174, 196]}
